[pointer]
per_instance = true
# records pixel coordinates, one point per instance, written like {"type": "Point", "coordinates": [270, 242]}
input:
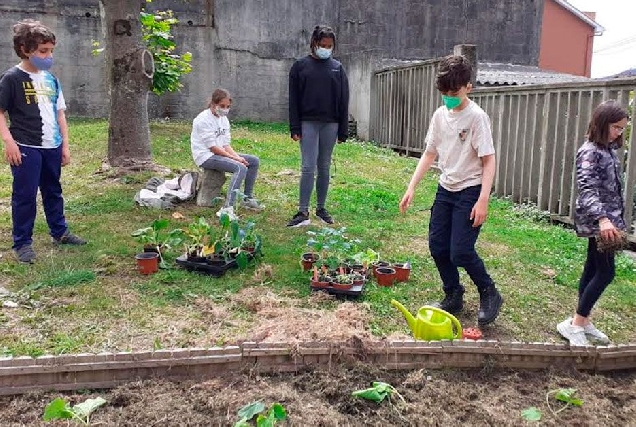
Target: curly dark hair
{"type": "Point", "coordinates": [28, 35]}
{"type": "Point", "coordinates": [321, 32]}
{"type": "Point", "coordinates": [604, 115]}
{"type": "Point", "coordinates": [454, 72]}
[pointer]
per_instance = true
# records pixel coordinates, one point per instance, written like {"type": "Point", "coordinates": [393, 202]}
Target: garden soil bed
{"type": "Point", "coordinates": [323, 397]}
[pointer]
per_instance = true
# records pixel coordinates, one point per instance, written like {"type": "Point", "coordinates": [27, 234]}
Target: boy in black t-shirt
{"type": "Point", "coordinates": [36, 142]}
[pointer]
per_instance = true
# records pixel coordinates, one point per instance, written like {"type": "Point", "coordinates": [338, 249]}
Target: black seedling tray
{"type": "Point", "coordinates": [354, 291]}
{"type": "Point", "coordinates": [204, 267]}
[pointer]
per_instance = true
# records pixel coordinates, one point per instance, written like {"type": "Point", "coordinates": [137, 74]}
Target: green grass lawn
{"type": "Point", "coordinates": [91, 298]}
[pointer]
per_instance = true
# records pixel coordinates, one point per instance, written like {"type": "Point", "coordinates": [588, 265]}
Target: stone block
{"type": "Point", "coordinates": [211, 184]}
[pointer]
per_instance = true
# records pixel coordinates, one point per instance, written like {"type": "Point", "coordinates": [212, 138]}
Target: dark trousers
{"type": "Point", "coordinates": [41, 167]}
{"type": "Point", "coordinates": [452, 238]}
{"type": "Point", "coordinates": [598, 272]}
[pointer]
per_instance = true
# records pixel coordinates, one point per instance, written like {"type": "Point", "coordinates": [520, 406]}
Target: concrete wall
{"type": "Point", "coordinates": [248, 46]}
{"type": "Point", "coordinates": [566, 41]}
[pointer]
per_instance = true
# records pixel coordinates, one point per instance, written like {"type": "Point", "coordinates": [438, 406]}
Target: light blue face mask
{"type": "Point", "coordinates": [451, 101]}
{"type": "Point", "coordinates": [42, 63]}
{"type": "Point", "coordinates": [323, 53]}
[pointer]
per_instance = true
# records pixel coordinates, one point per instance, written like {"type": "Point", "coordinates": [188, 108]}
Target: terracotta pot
{"type": "Point", "coordinates": [375, 266]}
{"type": "Point", "coordinates": [342, 286]}
{"type": "Point", "coordinates": [401, 272]}
{"type": "Point", "coordinates": [319, 284]}
{"type": "Point", "coordinates": [308, 259]}
{"type": "Point", "coordinates": [385, 276]}
{"type": "Point", "coordinates": [147, 262]}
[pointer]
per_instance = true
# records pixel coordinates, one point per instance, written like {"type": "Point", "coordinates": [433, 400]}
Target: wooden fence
{"type": "Point", "coordinates": [106, 370]}
{"type": "Point", "coordinates": [536, 128]}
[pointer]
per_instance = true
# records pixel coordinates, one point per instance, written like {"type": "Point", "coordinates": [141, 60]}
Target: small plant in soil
{"type": "Point", "coordinates": [367, 257]}
{"type": "Point", "coordinates": [378, 392]}
{"type": "Point", "coordinates": [156, 239]}
{"type": "Point", "coordinates": [255, 414]}
{"type": "Point", "coordinates": [565, 395]}
{"type": "Point", "coordinates": [59, 409]}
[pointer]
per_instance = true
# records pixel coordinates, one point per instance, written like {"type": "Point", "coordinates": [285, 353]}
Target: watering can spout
{"type": "Point", "coordinates": [407, 315]}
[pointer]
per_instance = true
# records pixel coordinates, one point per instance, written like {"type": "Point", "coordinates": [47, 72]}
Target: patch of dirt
{"type": "Point", "coordinates": [323, 398]}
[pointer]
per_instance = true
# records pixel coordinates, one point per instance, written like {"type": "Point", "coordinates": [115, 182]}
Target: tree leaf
{"type": "Point", "coordinates": [248, 412]}
{"type": "Point", "coordinates": [87, 407]}
{"type": "Point", "coordinates": [531, 414]}
{"type": "Point", "coordinates": [58, 409]}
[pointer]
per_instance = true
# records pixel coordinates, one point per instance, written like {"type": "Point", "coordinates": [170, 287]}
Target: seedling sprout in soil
{"type": "Point", "coordinates": [255, 409]}
{"type": "Point", "coordinates": [565, 395]}
{"type": "Point", "coordinates": [378, 392]}
{"type": "Point", "coordinates": [59, 409]}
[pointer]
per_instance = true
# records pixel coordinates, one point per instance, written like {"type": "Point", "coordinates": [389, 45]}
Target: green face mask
{"type": "Point", "coordinates": [451, 101]}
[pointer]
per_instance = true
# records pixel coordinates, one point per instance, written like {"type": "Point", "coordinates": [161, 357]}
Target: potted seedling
{"type": "Point", "coordinates": [402, 271]}
{"type": "Point", "coordinates": [343, 282]}
{"type": "Point", "coordinates": [320, 279]}
{"type": "Point", "coordinates": [155, 239]}
{"type": "Point", "coordinates": [195, 246]}
{"type": "Point", "coordinates": [366, 259]}
{"type": "Point", "coordinates": [332, 245]}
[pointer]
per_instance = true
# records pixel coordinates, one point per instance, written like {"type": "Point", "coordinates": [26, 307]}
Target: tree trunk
{"type": "Point", "coordinates": [130, 69]}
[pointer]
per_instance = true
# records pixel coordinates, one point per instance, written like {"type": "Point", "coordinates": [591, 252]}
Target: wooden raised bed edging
{"type": "Point", "coordinates": [107, 370]}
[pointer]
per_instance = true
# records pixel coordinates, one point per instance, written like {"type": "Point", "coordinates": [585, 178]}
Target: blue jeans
{"type": "Point", "coordinates": [40, 168]}
{"type": "Point", "coordinates": [316, 147]}
{"type": "Point", "coordinates": [239, 172]}
{"type": "Point", "coordinates": [452, 238]}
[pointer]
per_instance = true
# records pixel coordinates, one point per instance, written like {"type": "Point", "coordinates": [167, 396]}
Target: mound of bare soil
{"type": "Point", "coordinates": [323, 398]}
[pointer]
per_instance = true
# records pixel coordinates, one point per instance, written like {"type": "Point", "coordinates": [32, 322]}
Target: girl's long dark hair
{"type": "Point", "coordinates": [604, 115]}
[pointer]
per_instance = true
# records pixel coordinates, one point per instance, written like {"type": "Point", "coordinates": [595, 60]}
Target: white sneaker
{"type": "Point", "coordinates": [574, 334]}
{"type": "Point", "coordinates": [595, 334]}
{"type": "Point", "coordinates": [252, 204]}
{"type": "Point", "coordinates": [591, 332]}
{"type": "Point", "coordinates": [229, 211]}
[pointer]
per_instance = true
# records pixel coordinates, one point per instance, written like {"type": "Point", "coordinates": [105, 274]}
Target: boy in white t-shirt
{"type": "Point", "coordinates": [459, 136]}
{"type": "Point", "coordinates": [211, 149]}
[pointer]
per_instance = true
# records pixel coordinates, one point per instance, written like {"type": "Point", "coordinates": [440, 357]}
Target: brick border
{"type": "Point", "coordinates": [107, 370]}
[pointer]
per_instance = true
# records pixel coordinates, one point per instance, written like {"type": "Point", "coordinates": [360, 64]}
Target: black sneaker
{"type": "Point", "coordinates": [324, 216]}
{"type": "Point", "coordinates": [25, 253]}
{"type": "Point", "coordinates": [490, 301]}
{"type": "Point", "coordinates": [69, 238]}
{"type": "Point", "coordinates": [300, 219]}
{"type": "Point", "coordinates": [453, 302]}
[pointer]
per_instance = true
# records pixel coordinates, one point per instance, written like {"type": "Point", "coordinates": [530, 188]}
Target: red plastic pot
{"type": "Point", "coordinates": [308, 259]}
{"type": "Point", "coordinates": [385, 276]}
{"type": "Point", "coordinates": [402, 272]}
{"type": "Point", "coordinates": [147, 262]}
{"type": "Point", "coordinates": [471, 334]}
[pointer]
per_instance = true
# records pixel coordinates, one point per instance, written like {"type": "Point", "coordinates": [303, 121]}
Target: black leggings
{"type": "Point", "coordinates": [598, 272]}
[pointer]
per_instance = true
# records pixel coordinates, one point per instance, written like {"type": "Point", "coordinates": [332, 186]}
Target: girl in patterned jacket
{"type": "Point", "coordinates": [598, 214]}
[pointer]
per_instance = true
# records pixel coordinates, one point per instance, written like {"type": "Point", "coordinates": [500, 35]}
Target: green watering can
{"type": "Point", "coordinates": [431, 323]}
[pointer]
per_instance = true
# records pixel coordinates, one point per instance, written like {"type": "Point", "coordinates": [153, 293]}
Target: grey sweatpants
{"type": "Point", "coordinates": [239, 172]}
{"type": "Point", "coordinates": [316, 147]}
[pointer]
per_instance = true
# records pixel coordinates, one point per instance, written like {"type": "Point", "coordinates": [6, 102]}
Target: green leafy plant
{"type": "Point", "coordinates": [332, 245]}
{"type": "Point", "coordinates": [367, 257]}
{"type": "Point", "coordinates": [378, 392]}
{"type": "Point", "coordinates": [196, 234]}
{"type": "Point", "coordinates": [565, 395]}
{"type": "Point", "coordinates": [531, 414]}
{"type": "Point", "coordinates": [169, 66]}
{"type": "Point", "coordinates": [157, 34]}
{"type": "Point", "coordinates": [263, 418]}
{"type": "Point", "coordinates": [156, 238]}
{"type": "Point", "coordinates": [59, 409]}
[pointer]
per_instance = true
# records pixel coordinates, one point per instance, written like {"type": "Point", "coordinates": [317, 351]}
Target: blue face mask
{"type": "Point", "coordinates": [42, 63]}
{"type": "Point", "coordinates": [323, 53]}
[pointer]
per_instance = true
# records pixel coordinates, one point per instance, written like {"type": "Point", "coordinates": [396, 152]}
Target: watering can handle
{"type": "Point", "coordinates": [454, 321]}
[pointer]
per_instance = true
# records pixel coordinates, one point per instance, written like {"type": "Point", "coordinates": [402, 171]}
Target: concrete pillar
{"type": "Point", "coordinates": [211, 185]}
{"type": "Point", "coordinates": [469, 51]}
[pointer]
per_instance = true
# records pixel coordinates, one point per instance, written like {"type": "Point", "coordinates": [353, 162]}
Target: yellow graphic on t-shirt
{"type": "Point", "coordinates": [38, 92]}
